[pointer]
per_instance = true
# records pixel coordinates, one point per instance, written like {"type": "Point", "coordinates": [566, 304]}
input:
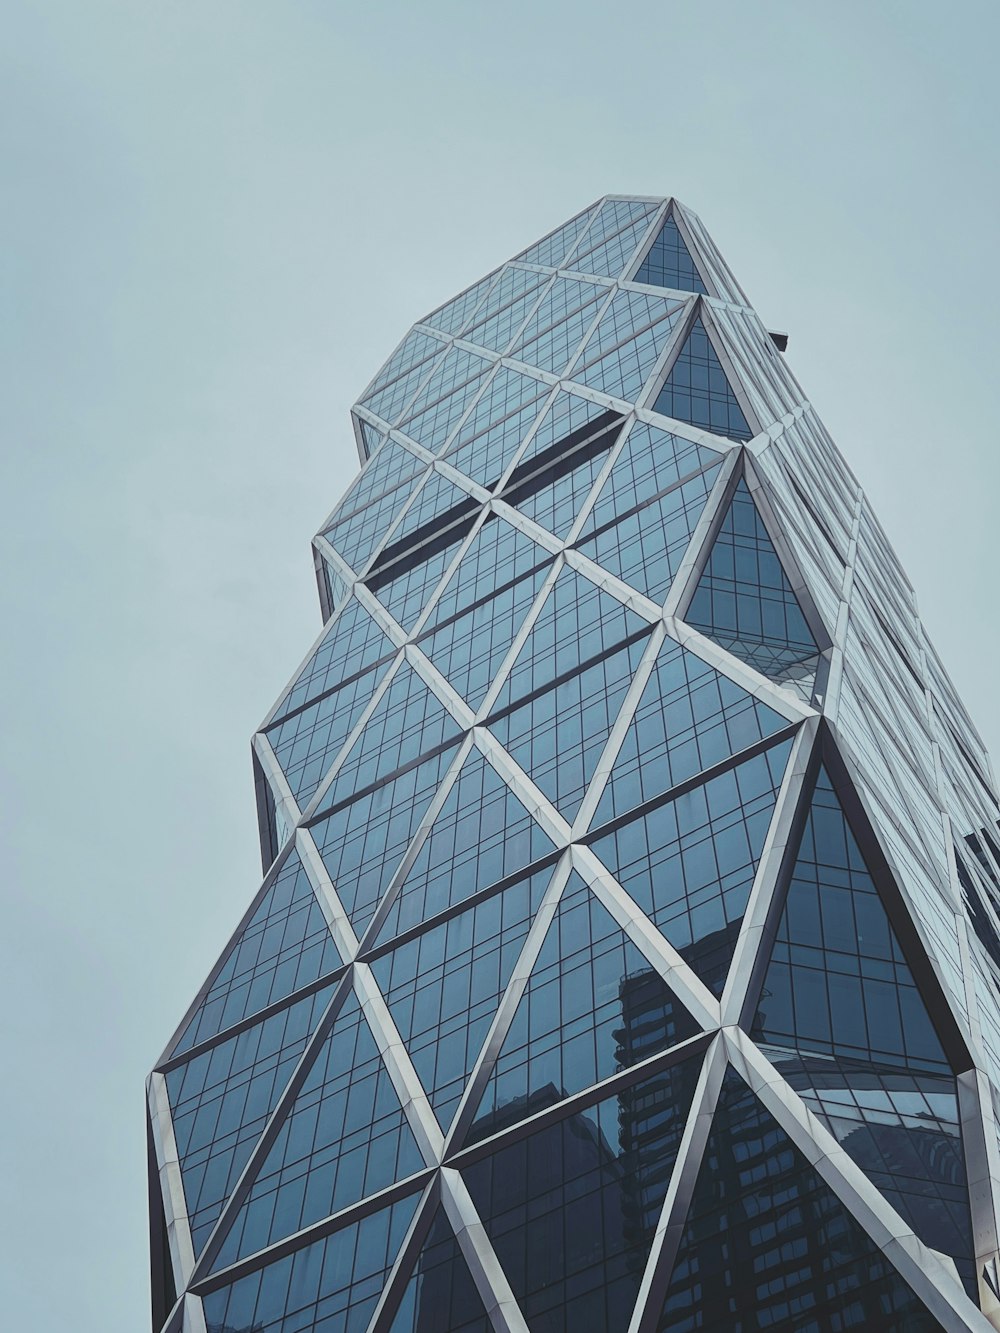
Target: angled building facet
{"type": "Point", "coordinates": [627, 952]}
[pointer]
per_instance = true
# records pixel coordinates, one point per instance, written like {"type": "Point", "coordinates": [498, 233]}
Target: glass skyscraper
{"type": "Point", "coordinates": [627, 957]}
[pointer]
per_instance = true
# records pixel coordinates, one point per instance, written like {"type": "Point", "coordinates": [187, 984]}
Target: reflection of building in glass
{"type": "Point", "coordinates": [629, 920]}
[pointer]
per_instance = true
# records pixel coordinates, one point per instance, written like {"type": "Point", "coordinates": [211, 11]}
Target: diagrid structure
{"type": "Point", "coordinates": [626, 959]}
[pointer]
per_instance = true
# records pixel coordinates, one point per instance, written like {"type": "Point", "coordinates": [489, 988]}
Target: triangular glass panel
{"type": "Point", "coordinates": [554, 247]}
{"type": "Point", "coordinates": [769, 1245]}
{"type": "Point", "coordinates": [363, 843]}
{"type": "Point", "coordinates": [744, 600]}
{"type": "Point", "coordinates": [469, 649]}
{"type": "Point", "coordinates": [408, 721]}
{"type": "Point", "coordinates": [457, 376]}
{"type": "Point", "coordinates": [221, 1100]}
{"type": "Point", "coordinates": [335, 1282]}
{"type": "Point", "coordinates": [668, 262]}
{"type": "Point", "coordinates": [553, 333]}
{"type": "Point", "coordinates": [629, 314]}
{"type": "Point", "coordinates": [904, 1131]}
{"type": "Point", "coordinates": [592, 1007]}
{"type": "Point", "coordinates": [392, 464]}
{"type": "Point", "coordinates": [498, 555]}
{"type": "Point", "coordinates": [455, 314]}
{"type": "Point", "coordinates": [567, 422]}
{"type": "Point", "coordinates": [284, 946]}
{"type": "Point", "coordinates": [485, 457]}
{"type": "Point", "coordinates": [553, 496]}
{"type": "Point", "coordinates": [371, 438]}
{"type": "Point", "coordinates": [405, 586]}
{"type": "Point", "coordinates": [355, 538]}
{"type": "Point", "coordinates": [558, 736]}
{"type": "Point", "coordinates": [838, 982]}
{"type": "Point", "coordinates": [497, 331]}
{"type": "Point", "coordinates": [306, 743]}
{"type": "Point", "coordinates": [697, 390]}
{"type": "Point", "coordinates": [646, 547]}
{"type": "Point", "coordinates": [578, 621]}
{"type": "Point", "coordinates": [343, 1138]}
{"type": "Point", "coordinates": [438, 501]}
{"type": "Point", "coordinates": [623, 371]}
{"type": "Point", "coordinates": [514, 282]}
{"type": "Point", "coordinates": [572, 1209]}
{"type": "Point", "coordinates": [441, 1294]}
{"type": "Point", "coordinates": [506, 392]}
{"type": "Point", "coordinates": [613, 216]}
{"type": "Point", "coordinates": [689, 717]}
{"type": "Point", "coordinates": [690, 863]}
{"type": "Point", "coordinates": [611, 259]}
{"type": "Point", "coordinates": [444, 986]}
{"type": "Point", "coordinates": [482, 834]}
{"type": "Point", "coordinates": [354, 642]}
{"type": "Point", "coordinates": [415, 349]}
{"type": "Point", "coordinates": [651, 462]}
{"type": "Point", "coordinates": [389, 402]}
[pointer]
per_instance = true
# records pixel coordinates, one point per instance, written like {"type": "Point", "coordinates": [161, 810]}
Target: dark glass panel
{"type": "Point", "coordinates": [651, 462]}
{"type": "Point", "coordinates": [284, 946]}
{"type": "Point", "coordinates": [441, 1296]}
{"type": "Point", "coordinates": [444, 986]}
{"type": "Point", "coordinates": [355, 538]}
{"type": "Point", "coordinates": [668, 262]}
{"type": "Point", "coordinates": [592, 1007]}
{"type": "Point", "coordinates": [498, 555]}
{"type": "Point", "coordinates": [572, 1209]}
{"type": "Point", "coordinates": [566, 422]}
{"type": "Point", "coordinates": [690, 863]}
{"type": "Point", "coordinates": [481, 835]}
{"type": "Point", "coordinates": [697, 390]}
{"type": "Point", "coordinates": [744, 600]}
{"type": "Point", "coordinates": [838, 981]}
{"type": "Point", "coordinates": [405, 586]}
{"type": "Point", "coordinates": [221, 1100]}
{"type": "Point", "coordinates": [331, 1286]}
{"type": "Point", "coordinates": [554, 495]}
{"type": "Point", "coordinates": [689, 717]}
{"type": "Point", "coordinates": [345, 1136]}
{"type": "Point", "coordinates": [768, 1245]}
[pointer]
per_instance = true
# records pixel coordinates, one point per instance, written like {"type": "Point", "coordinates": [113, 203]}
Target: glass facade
{"type": "Point", "coordinates": [627, 953]}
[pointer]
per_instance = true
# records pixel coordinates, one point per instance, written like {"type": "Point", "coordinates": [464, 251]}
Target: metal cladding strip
{"type": "Point", "coordinates": [659, 952]}
{"type": "Point", "coordinates": [396, 1058]}
{"type": "Point", "coordinates": [754, 942]}
{"type": "Point", "coordinates": [169, 1174]}
{"type": "Point", "coordinates": [482, 1069]}
{"type": "Point", "coordinates": [519, 639]}
{"type": "Point", "coordinates": [931, 1276]}
{"type": "Point", "coordinates": [409, 1253]}
{"type": "Point", "coordinates": [490, 1279]}
{"type": "Point", "coordinates": [531, 797]}
{"type": "Point", "coordinates": [699, 548]}
{"type": "Point", "coordinates": [330, 905]}
{"type": "Point", "coordinates": [677, 1201]}
{"type": "Point", "coordinates": [192, 1316]}
{"type": "Point", "coordinates": [982, 1165]}
{"type": "Point", "coordinates": [611, 583]}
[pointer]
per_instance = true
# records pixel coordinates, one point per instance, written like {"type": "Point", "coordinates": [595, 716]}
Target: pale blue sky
{"type": "Point", "coordinates": [219, 216]}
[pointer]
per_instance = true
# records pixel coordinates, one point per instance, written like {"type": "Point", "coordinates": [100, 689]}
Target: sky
{"type": "Point", "coordinates": [218, 218]}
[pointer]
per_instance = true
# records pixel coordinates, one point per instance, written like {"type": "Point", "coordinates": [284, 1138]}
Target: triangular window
{"type": "Point", "coordinates": [697, 390]}
{"type": "Point", "coordinates": [669, 264]}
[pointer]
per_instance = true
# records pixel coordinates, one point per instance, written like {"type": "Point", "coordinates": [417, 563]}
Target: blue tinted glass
{"type": "Point", "coordinates": [554, 496]}
{"type": "Point", "coordinates": [612, 258]}
{"type": "Point", "coordinates": [496, 332]}
{"type": "Point", "coordinates": [284, 946]}
{"type": "Point", "coordinates": [389, 402]}
{"type": "Point", "coordinates": [697, 390]}
{"type": "Point", "coordinates": [406, 586]}
{"type": "Point", "coordinates": [651, 462]}
{"type": "Point", "coordinates": [353, 642]}
{"type": "Point", "coordinates": [838, 981]}
{"type": "Point", "coordinates": [345, 1136]}
{"type": "Point", "coordinates": [558, 736]}
{"type": "Point", "coordinates": [441, 1296]}
{"type": "Point", "coordinates": [769, 1245]}
{"type": "Point", "coordinates": [572, 1209]}
{"type": "Point", "coordinates": [221, 1100]}
{"type": "Point", "coordinates": [592, 1007]}
{"type": "Point", "coordinates": [554, 331]}
{"type": "Point", "coordinates": [904, 1131]}
{"type": "Point", "coordinates": [482, 834]}
{"type": "Point", "coordinates": [497, 556]}
{"type": "Point", "coordinates": [331, 1286]}
{"type": "Point", "coordinates": [552, 248]}
{"type": "Point", "coordinates": [689, 717]}
{"type": "Point", "coordinates": [668, 262]}
{"type": "Point", "coordinates": [436, 499]}
{"type": "Point", "coordinates": [744, 600]}
{"type": "Point", "coordinates": [443, 987]}
{"type": "Point", "coordinates": [612, 217]}
{"type": "Point", "coordinates": [392, 464]}
{"type": "Point", "coordinates": [415, 348]}
{"type": "Point", "coordinates": [690, 863]}
{"type": "Point", "coordinates": [646, 547]}
{"type": "Point", "coordinates": [363, 843]}
{"type": "Point", "coordinates": [454, 315]}
{"type": "Point", "coordinates": [355, 538]}
{"type": "Point", "coordinates": [567, 415]}
{"type": "Point", "coordinates": [577, 622]}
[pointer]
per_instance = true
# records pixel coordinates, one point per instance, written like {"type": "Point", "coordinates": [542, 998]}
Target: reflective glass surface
{"type": "Point", "coordinates": [344, 1136]}
{"type": "Point", "coordinates": [556, 327]}
{"type": "Point", "coordinates": [668, 262]}
{"type": "Point", "coordinates": [441, 1296]}
{"type": "Point", "coordinates": [697, 390]}
{"type": "Point", "coordinates": [650, 463]}
{"type": "Point", "coordinates": [768, 1244]}
{"type": "Point", "coordinates": [571, 1210]}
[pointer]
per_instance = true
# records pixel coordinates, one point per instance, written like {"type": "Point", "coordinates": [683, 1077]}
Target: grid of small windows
{"type": "Point", "coordinates": [554, 247]}
{"type": "Point", "coordinates": [389, 402]}
{"type": "Point", "coordinates": [769, 1245]}
{"type": "Point", "coordinates": [689, 717]}
{"type": "Point", "coordinates": [332, 1284]}
{"type": "Point", "coordinates": [651, 462]}
{"type": "Point", "coordinates": [415, 348]}
{"type": "Point", "coordinates": [697, 390]}
{"type": "Point", "coordinates": [744, 599]}
{"type": "Point", "coordinates": [481, 835]}
{"type": "Point", "coordinates": [356, 537]}
{"type": "Point", "coordinates": [669, 262]}
{"type": "Point", "coordinates": [838, 981]}
{"type": "Point", "coordinates": [622, 372]}
{"type": "Point", "coordinates": [591, 1008]}
{"type": "Point", "coordinates": [392, 464]}
{"type": "Point", "coordinates": [485, 457]}
{"type": "Point", "coordinates": [441, 1293]}
{"type": "Point", "coordinates": [513, 283]}
{"type": "Point", "coordinates": [363, 843]}
{"type": "Point", "coordinates": [565, 1207]}
{"type": "Point", "coordinates": [556, 328]}
{"type": "Point", "coordinates": [613, 216]}
{"type": "Point", "coordinates": [566, 419]}
{"type": "Point", "coordinates": [405, 586]}
{"type": "Point", "coordinates": [456, 368]}
{"type": "Point", "coordinates": [454, 315]}
{"type": "Point", "coordinates": [612, 258]}
{"type": "Point", "coordinates": [344, 1137]}
{"type": "Point", "coordinates": [496, 332]}
{"type": "Point", "coordinates": [690, 863]}
{"type": "Point", "coordinates": [645, 548]}
{"type": "Point", "coordinates": [498, 555]}
{"type": "Point", "coordinates": [432, 427]}
{"type": "Point", "coordinates": [444, 986]}
{"type": "Point", "coordinates": [436, 499]}
{"type": "Point", "coordinates": [221, 1100]}
{"type": "Point", "coordinates": [284, 946]}
{"type": "Point", "coordinates": [554, 498]}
